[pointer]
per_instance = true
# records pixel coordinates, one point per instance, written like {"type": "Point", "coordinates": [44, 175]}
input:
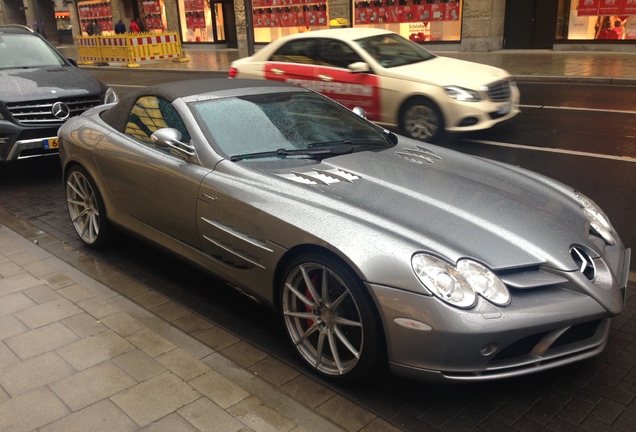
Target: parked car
{"type": "Point", "coordinates": [395, 80]}
{"type": "Point", "coordinates": [39, 90]}
{"type": "Point", "coordinates": [372, 246]}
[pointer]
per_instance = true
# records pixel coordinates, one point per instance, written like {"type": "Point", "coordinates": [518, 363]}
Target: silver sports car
{"type": "Point", "coordinates": [373, 247]}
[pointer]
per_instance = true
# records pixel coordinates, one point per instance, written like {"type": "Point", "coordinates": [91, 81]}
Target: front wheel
{"type": "Point", "coordinates": [421, 119]}
{"type": "Point", "coordinates": [86, 208]}
{"type": "Point", "coordinates": [330, 318]}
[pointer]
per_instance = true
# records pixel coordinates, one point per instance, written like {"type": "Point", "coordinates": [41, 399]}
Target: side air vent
{"type": "Point", "coordinates": [321, 177]}
{"type": "Point", "coordinates": [419, 155]}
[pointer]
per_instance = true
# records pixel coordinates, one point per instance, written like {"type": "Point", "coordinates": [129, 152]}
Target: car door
{"type": "Point", "coordinates": [336, 80]}
{"type": "Point", "coordinates": [294, 62]}
{"type": "Point", "coordinates": [155, 186]}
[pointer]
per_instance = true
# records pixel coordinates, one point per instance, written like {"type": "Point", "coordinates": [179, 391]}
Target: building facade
{"type": "Point", "coordinates": [450, 25]}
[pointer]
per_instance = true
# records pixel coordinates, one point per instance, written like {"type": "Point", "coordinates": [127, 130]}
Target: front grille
{"type": "Point", "coordinates": [39, 112]}
{"type": "Point", "coordinates": [499, 91]}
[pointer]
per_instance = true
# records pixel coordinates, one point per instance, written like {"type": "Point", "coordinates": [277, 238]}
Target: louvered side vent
{"type": "Point", "coordinates": [419, 155]}
{"type": "Point", "coordinates": [321, 177]}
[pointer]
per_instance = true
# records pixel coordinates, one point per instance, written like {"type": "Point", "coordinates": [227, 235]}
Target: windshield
{"type": "Point", "coordinates": [391, 50]}
{"type": "Point", "coordinates": [26, 51]}
{"type": "Point", "coordinates": [285, 125]}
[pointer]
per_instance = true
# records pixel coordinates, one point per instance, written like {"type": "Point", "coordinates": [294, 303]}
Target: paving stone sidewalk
{"type": "Point", "coordinates": [76, 355]}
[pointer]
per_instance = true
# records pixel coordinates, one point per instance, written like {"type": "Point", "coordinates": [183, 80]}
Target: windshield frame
{"type": "Point", "coordinates": [285, 124]}
{"type": "Point", "coordinates": [411, 52]}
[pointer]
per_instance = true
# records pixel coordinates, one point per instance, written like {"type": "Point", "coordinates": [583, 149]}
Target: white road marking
{"type": "Point", "coordinates": [555, 150]}
{"type": "Point", "coordinates": [578, 109]}
{"type": "Point", "coordinates": [125, 85]}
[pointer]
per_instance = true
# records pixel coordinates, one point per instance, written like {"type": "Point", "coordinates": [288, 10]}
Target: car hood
{"type": "Point", "coordinates": [18, 85]}
{"type": "Point", "coordinates": [442, 71]}
{"type": "Point", "coordinates": [458, 205]}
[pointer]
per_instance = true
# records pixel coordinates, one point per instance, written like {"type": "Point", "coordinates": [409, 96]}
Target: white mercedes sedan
{"type": "Point", "coordinates": [396, 81]}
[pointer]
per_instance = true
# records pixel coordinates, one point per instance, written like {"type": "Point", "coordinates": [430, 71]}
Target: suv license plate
{"type": "Point", "coordinates": [51, 143]}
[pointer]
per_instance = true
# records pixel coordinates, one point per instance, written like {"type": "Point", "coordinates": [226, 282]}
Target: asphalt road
{"type": "Point", "coordinates": [597, 394]}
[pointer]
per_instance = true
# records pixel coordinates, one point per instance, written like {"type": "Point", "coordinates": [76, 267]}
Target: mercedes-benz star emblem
{"type": "Point", "coordinates": [584, 262]}
{"type": "Point", "coordinates": [60, 110]}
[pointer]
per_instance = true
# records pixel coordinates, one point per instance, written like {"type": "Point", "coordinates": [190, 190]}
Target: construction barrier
{"type": "Point", "coordinates": [129, 48]}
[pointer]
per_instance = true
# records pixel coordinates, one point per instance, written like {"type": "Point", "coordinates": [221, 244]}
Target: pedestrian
{"type": "Point", "coordinates": [95, 29]}
{"type": "Point", "coordinates": [120, 27]}
{"type": "Point", "coordinates": [134, 27]}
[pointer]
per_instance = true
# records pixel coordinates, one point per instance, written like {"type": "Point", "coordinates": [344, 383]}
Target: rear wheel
{"type": "Point", "coordinates": [330, 318]}
{"type": "Point", "coordinates": [421, 119]}
{"type": "Point", "coordinates": [86, 208]}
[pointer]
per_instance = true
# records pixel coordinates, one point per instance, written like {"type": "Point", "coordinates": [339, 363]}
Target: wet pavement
{"type": "Point", "coordinates": [578, 66]}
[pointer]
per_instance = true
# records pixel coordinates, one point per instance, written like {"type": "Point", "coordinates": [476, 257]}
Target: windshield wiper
{"type": "Point", "coordinates": [341, 149]}
{"type": "Point", "coordinates": [361, 142]}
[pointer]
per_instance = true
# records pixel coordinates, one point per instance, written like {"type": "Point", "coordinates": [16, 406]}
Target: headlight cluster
{"type": "Point", "coordinates": [459, 285]}
{"type": "Point", "coordinates": [462, 94]}
{"type": "Point", "coordinates": [598, 220]}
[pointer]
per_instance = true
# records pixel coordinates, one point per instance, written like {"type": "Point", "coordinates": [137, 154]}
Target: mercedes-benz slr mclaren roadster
{"type": "Point", "coordinates": [374, 248]}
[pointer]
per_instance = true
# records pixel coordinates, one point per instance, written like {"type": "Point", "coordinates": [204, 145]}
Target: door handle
{"type": "Point", "coordinates": [278, 71]}
{"type": "Point", "coordinates": [325, 77]}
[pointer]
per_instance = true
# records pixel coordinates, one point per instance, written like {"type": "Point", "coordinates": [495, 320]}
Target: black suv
{"type": "Point", "coordinates": [39, 90]}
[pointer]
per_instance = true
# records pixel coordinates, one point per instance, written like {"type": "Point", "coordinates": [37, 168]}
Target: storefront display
{"type": "Point", "coordinates": [276, 18]}
{"type": "Point", "coordinates": [418, 20]}
{"type": "Point", "coordinates": [154, 15]}
{"type": "Point", "coordinates": [195, 20]}
{"type": "Point", "coordinates": [91, 12]}
{"type": "Point", "coordinates": [613, 20]}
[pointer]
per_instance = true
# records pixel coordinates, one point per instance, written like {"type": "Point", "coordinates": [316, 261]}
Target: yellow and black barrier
{"type": "Point", "coordinates": [129, 49]}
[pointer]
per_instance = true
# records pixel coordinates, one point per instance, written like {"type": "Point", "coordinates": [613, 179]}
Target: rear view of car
{"type": "Point", "coordinates": [39, 90]}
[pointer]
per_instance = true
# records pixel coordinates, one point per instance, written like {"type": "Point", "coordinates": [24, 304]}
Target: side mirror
{"type": "Point", "coordinates": [359, 67]}
{"type": "Point", "coordinates": [72, 61]}
{"type": "Point", "coordinates": [360, 111]}
{"type": "Point", "coordinates": [167, 138]}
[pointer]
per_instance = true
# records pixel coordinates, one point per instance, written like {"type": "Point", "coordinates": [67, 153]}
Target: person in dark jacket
{"type": "Point", "coordinates": [120, 27]}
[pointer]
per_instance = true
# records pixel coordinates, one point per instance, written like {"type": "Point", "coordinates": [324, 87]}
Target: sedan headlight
{"type": "Point", "coordinates": [598, 220]}
{"type": "Point", "coordinates": [459, 285]}
{"type": "Point", "coordinates": [110, 96]}
{"type": "Point", "coordinates": [462, 94]}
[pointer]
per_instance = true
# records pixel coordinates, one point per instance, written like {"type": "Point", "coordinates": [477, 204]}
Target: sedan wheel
{"type": "Point", "coordinates": [422, 120]}
{"type": "Point", "coordinates": [330, 319]}
{"type": "Point", "coordinates": [86, 208]}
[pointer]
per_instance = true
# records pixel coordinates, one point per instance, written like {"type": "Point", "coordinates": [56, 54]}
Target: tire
{"type": "Point", "coordinates": [334, 326]}
{"type": "Point", "coordinates": [86, 208]}
{"type": "Point", "coordinates": [422, 120]}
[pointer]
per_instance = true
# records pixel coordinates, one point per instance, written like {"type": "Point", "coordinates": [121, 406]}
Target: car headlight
{"type": "Point", "coordinates": [462, 94]}
{"type": "Point", "coordinates": [110, 96]}
{"type": "Point", "coordinates": [459, 285]}
{"type": "Point", "coordinates": [598, 219]}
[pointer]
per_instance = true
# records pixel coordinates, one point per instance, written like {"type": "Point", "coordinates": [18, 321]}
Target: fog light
{"type": "Point", "coordinates": [468, 121]}
{"type": "Point", "coordinates": [489, 349]}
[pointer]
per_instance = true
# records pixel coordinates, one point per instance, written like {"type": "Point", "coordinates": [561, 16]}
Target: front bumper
{"type": "Point", "coordinates": [540, 329]}
{"type": "Point", "coordinates": [17, 142]}
{"type": "Point", "coordinates": [472, 116]}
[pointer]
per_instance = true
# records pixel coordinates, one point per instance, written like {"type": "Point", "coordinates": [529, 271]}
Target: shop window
{"type": "Point", "coordinates": [609, 20]}
{"type": "Point", "coordinates": [418, 20]}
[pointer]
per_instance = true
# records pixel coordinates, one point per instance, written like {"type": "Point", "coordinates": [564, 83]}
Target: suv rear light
{"type": "Point", "coordinates": [233, 72]}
